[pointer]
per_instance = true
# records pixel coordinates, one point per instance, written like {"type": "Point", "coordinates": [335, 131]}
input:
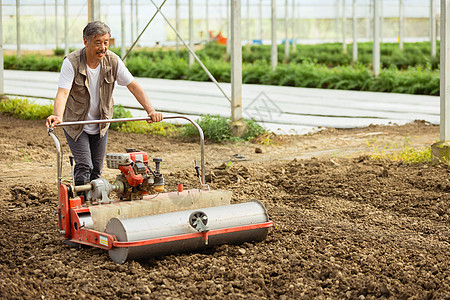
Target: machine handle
{"type": "Point", "coordinates": [199, 129]}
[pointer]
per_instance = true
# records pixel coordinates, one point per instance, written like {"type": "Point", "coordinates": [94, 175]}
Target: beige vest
{"type": "Point", "coordinates": [78, 102]}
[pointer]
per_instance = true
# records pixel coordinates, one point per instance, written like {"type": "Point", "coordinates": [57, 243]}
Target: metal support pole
{"type": "Point", "coordinates": [401, 27]}
{"type": "Point", "coordinates": [336, 19]}
{"type": "Point", "coordinates": [376, 38]}
{"type": "Point", "coordinates": [381, 14]}
{"type": "Point", "coordinates": [122, 28]}
{"type": "Point", "coordinates": [260, 21]}
{"type": "Point", "coordinates": [228, 28]}
{"type": "Point", "coordinates": [131, 22]}
{"type": "Point", "coordinates": [177, 25]}
{"type": "Point", "coordinates": [274, 50]}
{"type": "Point", "coordinates": [56, 24]}
{"type": "Point", "coordinates": [355, 33]}
{"type": "Point", "coordinates": [236, 68]}
{"type": "Point", "coordinates": [286, 30]}
{"type": "Point", "coordinates": [66, 27]}
{"type": "Point", "coordinates": [445, 71]}
{"type": "Point", "coordinates": [433, 28]}
{"type": "Point", "coordinates": [344, 27]}
{"type": "Point", "coordinates": [137, 17]}
{"type": "Point", "coordinates": [18, 27]}
{"type": "Point", "coordinates": [207, 21]}
{"type": "Point", "coordinates": [45, 24]}
{"type": "Point", "coordinates": [247, 23]}
{"type": "Point", "coordinates": [294, 25]}
{"type": "Point", "coordinates": [191, 31]}
{"type": "Point", "coordinates": [2, 80]}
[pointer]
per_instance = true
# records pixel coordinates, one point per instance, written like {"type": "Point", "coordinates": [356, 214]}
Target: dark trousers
{"type": "Point", "coordinates": [88, 152]}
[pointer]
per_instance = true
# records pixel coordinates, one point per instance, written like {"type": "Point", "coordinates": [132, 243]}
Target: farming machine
{"type": "Point", "coordinates": [143, 220]}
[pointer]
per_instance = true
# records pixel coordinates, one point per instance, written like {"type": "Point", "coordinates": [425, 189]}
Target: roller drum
{"type": "Point", "coordinates": [177, 224]}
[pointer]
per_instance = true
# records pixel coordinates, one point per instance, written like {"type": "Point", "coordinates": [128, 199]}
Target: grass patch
{"type": "Point", "coordinates": [24, 109]}
{"type": "Point", "coordinates": [406, 154]}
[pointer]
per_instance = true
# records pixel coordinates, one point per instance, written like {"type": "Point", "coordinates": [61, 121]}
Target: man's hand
{"type": "Point", "coordinates": [156, 117]}
{"type": "Point", "coordinates": [52, 121]}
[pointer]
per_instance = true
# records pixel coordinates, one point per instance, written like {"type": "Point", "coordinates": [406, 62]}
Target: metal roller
{"type": "Point", "coordinates": [187, 231]}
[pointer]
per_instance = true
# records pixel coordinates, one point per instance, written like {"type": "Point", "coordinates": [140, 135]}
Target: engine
{"type": "Point", "coordinates": [135, 180]}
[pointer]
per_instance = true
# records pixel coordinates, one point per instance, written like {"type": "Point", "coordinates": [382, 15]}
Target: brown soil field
{"type": "Point", "coordinates": [347, 226]}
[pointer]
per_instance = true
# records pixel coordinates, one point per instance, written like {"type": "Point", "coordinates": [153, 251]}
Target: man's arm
{"type": "Point", "coordinates": [58, 107]}
{"type": "Point", "coordinates": [142, 98]}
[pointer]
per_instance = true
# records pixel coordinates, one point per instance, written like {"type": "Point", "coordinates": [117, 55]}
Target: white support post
{"type": "Point", "coordinates": [286, 30]}
{"type": "Point", "coordinates": [45, 24]}
{"type": "Point", "coordinates": [191, 32]}
{"type": "Point", "coordinates": [131, 22]}
{"type": "Point", "coordinates": [261, 20]}
{"type": "Point", "coordinates": [274, 50]}
{"type": "Point", "coordinates": [122, 29]}
{"type": "Point", "coordinates": [401, 28]}
{"type": "Point", "coordinates": [207, 21]}
{"type": "Point", "coordinates": [445, 72]}
{"type": "Point", "coordinates": [177, 25]}
{"type": "Point", "coordinates": [344, 27]}
{"type": "Point", "coordinates": [228, 28]}
{"type": "Point", "coordinates": [18, 27]}
{"type": "Point", "coordinates": [294, 25]}
{"type": "Point", "coordinates": [381, 20]}
{"type": "Point", "coordinates": [2, 88]}
{"type": "Point", "coordinates": [355, 33]}
{"type": "Point", "coordinates": [66, 27]}
{"type": "Point", "coordinates": [137, 17]}
{"type": "Point", "coordinates": [433, 28]}
{"type": "Point", "coordinates": [236, 62]}
{"type": "Point", "coordinates": [56, 24]}
{"type": "Point", "coordinates": [376, 38]}
{"type": "Point", "coordinates": [247, 23]}
{"type": "Point", "coordinates": [336, 19]}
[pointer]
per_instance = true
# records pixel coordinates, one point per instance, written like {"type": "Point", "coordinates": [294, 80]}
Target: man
{"type": "Point", "coordinates": [85, 89]}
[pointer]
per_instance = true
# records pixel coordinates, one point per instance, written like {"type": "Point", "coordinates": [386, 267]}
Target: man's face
{"type": "Point", "coordinates": [96, 47]}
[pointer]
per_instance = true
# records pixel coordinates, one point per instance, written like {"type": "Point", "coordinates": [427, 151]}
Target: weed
{"type": "Point", "coordinates": [406, 153]}
{"type": "Point", "coordinates": [23, 109]}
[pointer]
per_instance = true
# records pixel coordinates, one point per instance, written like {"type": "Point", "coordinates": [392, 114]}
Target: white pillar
{"type": "Point", "coordinates": [286, 30]}
{"type": "Point", "coordinates": [56, 24]}
{"type": "Point", "coordinates": [18, 27]}
{"type": "Point", "coordinates": [433, 28]}
{"type": "Point", "coordinates": [401, 27]}
{"type": "Point", "coordinates": [355, 33]}
{"type": "Point", "coordinates": [66, 27]}
{"type": "Point", "coordinates": [236, 62]}
{"type": "Point", "coordinates": [228, 28]}
{"type": "Point", "coordinates": [93, 10]}
{"type": "Point", "coordinates": [248, 25]}
{"type": "Point", "coordinates": [177, 25]}
{"type": "Point", "coordinates": [122, 29]}
{"type": "Point", "coordinates": [344, 27]}
{"type": "Point", "coordinates": [445, 71]}
{"type": "Point", "coordinates": [137, 18]}
{"type": "Point", "coordinates": [274, 50]}
{"type": "Point", "coordinates": [336, 19]}
{"type": "Point", "coordinates": [207, 21]}
{"type": "Point", "coordinates": [191, 31]}
{"type": "Point", "coordinates": [45, 24]}
{"type": "Point", "coordinates": [131, 22]}
{"type": "Point", "coordinates": [294, 24]}
{"type": "Point", "coordinates": [260, 21]}
{"type": "Point", "coordinates": [2, 88]}
{"type": "Point", "coordinates": [376, 38]}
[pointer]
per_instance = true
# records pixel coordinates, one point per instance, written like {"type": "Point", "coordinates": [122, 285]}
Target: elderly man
{"type": "Point", "coordinates": [85, 89]}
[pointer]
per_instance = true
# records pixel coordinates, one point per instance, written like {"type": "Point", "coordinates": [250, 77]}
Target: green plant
{"type": "Point", "coordinates": [119, 112]}
{"type": "Point", "coordinates": [23, 109]}
{"type": "Point", "coordinates": [217, 128]}
{"type": "Point", "coordinates": [143, 127]}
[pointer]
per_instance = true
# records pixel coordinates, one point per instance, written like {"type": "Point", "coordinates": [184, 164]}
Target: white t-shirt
{"type": "Point", "coordinates": [67, 75]}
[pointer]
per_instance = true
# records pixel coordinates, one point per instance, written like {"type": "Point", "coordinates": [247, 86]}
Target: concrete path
{"type": "Point", "coordinates": [280, 109]}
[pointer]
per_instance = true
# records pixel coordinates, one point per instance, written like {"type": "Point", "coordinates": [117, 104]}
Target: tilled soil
{"type": "Point", "coordinates": [347, 226]}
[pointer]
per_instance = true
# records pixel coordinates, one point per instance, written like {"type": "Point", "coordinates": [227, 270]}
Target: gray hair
{"type": "Point", "coordinates": [95, 28]}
